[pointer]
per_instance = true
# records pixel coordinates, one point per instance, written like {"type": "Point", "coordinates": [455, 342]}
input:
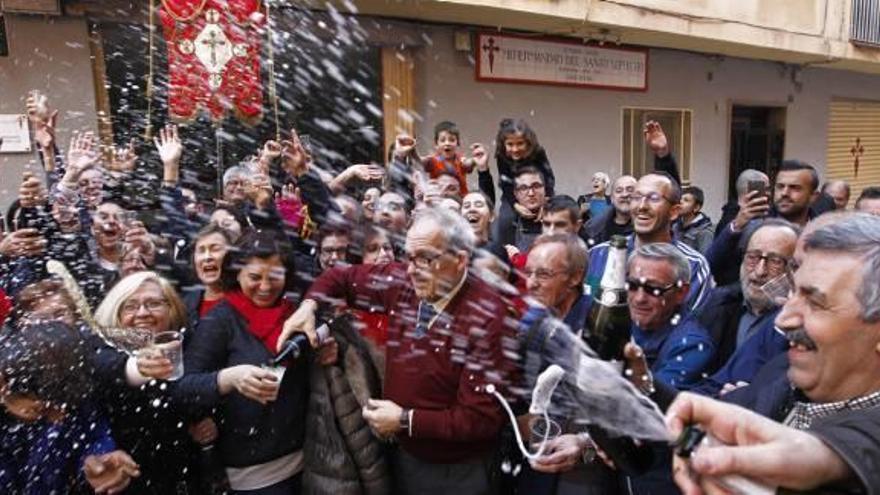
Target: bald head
{"type": "Point", "coordinates": [839, 192]}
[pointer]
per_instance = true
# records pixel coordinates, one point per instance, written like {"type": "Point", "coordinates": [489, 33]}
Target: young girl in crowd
{"type": "Point", "coordinates": [517, 146]}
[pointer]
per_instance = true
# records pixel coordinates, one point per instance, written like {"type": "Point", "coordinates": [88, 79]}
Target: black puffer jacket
{"type": "Point", "coordinates": [342, 457]}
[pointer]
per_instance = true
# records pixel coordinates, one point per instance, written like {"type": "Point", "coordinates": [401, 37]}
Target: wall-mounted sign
{"type": "Point", "coordinates": [507, 58]}
{"type": "Point", "coordinates": [14, 134]}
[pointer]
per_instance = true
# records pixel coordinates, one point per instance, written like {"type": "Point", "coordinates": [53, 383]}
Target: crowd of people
{"type": "Point", "coordinates": [763, 328]}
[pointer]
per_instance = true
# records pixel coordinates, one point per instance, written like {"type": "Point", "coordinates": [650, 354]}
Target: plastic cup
{"type": "Point", "coordinates": [170, 344]}
{"type": "Point", "coordinates": [541, 431]}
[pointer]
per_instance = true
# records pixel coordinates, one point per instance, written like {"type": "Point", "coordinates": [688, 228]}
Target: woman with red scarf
{"type": "Point", "coordinates": [260, 410]}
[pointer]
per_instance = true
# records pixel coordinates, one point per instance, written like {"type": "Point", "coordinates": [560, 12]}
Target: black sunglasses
{"type": "Point", "coordinates": [633, 285]}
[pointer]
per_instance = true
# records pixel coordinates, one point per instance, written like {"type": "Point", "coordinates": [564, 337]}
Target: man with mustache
{"type": "Point", "coordinates": [832, 322]}
{"type": "Point", "coordinates": [654, 205]}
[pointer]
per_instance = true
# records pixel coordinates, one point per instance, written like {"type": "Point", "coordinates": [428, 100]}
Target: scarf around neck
{"type": "Point", "coordinates": [263, 323]}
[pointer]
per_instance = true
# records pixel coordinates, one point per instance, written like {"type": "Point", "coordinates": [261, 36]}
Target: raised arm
{"type": "Point", "coordinates": [664, 161]}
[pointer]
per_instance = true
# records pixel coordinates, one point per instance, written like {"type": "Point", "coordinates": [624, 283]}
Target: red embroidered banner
{"type": "Point", "coordinates": [214, 57]}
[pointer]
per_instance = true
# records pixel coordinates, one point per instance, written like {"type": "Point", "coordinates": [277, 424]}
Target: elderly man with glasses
{"type": "Point", "coordinates": [655, 205]}
{"type": "Point", "coordinates": [448, 338]}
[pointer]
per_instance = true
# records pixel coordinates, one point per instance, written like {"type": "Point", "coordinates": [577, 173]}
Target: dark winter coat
{"type": "Point", "coordinates": [250, 433]}
{"type": "Point", "coordinates": [697, 234]}
{"type": "Point", "coordinates": [600, 229]}
{"type": "Point", "coordinates": [342, 456]}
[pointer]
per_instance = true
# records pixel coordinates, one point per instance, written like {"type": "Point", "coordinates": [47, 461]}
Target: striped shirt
{"type": "Point", "coordinates": [701, 283]}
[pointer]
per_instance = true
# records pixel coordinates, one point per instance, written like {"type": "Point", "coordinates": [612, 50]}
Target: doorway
{"type": "Point", "coordinates": [757, 141]}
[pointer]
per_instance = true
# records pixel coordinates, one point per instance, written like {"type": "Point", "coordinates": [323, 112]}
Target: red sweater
{"type": "Point", "coordinates": [441, 376]}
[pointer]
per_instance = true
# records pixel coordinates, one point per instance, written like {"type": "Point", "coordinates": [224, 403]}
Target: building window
{"type": "Point", "coordinates": [865, 26]}
{"type": "Point", "coordinates": [4, 44]}
{"type": "Point", "coordinates": [637, 157]}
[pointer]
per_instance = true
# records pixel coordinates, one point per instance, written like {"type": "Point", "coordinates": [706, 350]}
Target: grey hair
{"type": "Point", "coordinates": [859, 234]}
{"type": "Point", "coordinates": [457, 232]}
{"type": "Point", "coordinates": [749, 174]}
{"type": "Point", "coordinates": [604, 178]}
{"type": "Point", "coordinates": [667, 252]}
{"type": "Point", "coordinates": [235, 171]}
{"type": "Point", "coordinates": [575, 250]}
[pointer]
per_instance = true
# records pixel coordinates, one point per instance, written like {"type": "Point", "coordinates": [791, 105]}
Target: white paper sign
{"type": "Point", "coordinates": [507, 58]}
{"type": "Point", "coordinates": [15, 133]}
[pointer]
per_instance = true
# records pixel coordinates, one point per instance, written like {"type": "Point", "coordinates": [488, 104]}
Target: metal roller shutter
{"type": "Point", "coordinates": [854, 134]}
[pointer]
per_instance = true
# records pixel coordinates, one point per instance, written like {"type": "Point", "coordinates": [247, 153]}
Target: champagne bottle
{"type": "Point", "coordinates": [607, 332]}
{"type": "Point", "coordinates": [608, 326]}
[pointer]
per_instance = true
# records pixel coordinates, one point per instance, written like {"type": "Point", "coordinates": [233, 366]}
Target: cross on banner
{"type": "Point", "coordinates": [857, 151]}
{"type": "Point", "coordinates": [491, 48]}
{"type": "Point", "coordinates": [212, 45]}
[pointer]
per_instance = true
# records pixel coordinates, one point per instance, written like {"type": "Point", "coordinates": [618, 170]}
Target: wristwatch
{"type": "Point", "coordinates": [406, 421]}
{"type": "Point", "coordinates": [589, 453]}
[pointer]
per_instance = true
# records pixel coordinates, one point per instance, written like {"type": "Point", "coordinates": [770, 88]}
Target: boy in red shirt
{"type": "Point", "coordinates": [447, 140]}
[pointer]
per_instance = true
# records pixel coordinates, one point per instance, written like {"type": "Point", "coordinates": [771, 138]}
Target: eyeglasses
{"type": "Point", "coordinates": [340, 252]}
{"type": "Point", "coordinates": [653, 198]}
{"type": "Point", "coordinates": [775, 262]}
{"type": "Point", "coordinates": [422, 260]}
{"type": "Point", "coordinates": [151, 305]}
{"type": "Point", "coordinates": [389, 206]}
{"type": "Point", "coordinates": [633, 285]}
{"type": "Point", "coordinates": [543, 275]}
{"type": "Point", "coordinates": [533, 187]}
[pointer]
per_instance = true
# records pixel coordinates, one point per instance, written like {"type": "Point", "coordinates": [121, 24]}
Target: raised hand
{"type": "Point", "coordinates": [32, 192]}
{"type": "Point", "coordinates": [656, 138]}
{"type": "Point", "coordinates": [81, 156]}
{"type": "Point", "coordinates": [42, 117]}
{"type": "Point", "coordinates": [480, 157]}
{"type": "Point", "coordinates": [404, 145]}
{"type": "Point", "coordinates": [295, 160]}
{"type": "Point", "coordinates": [123, 158]}
{"type": "Point", "coordinates": [752, 205]}
{"type": "Point", "coordinates": [21, 243]}
{"type": "Point", "coordinates": [168, 145]}
{"type": "Point", "coordinates": [271, 151]}
{"type": "Point", "coordinates": [110, 473]}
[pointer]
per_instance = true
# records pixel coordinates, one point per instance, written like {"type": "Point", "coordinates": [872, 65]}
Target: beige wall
{"type": "Point", "coordinates": [51, 55]}
{"type": "Point", "coordinates": [581, 128]}
{"type": "Point", "coordinates": [810, 32]}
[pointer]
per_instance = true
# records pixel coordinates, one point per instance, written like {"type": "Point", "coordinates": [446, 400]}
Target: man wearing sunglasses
{"type": "Point", "coordinates": [677, 349]}
{"type": "Point", "coordinates": [655, 205]}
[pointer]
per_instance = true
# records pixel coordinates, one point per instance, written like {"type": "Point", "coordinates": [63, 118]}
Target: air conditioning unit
{"type": "Point", "coordinates": [41, 7]}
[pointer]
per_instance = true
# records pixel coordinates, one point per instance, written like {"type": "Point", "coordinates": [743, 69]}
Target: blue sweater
{"type": "Point", "coordinates": [761, 347]}
{"type": "Point", "coordinates": [40, 458]}
{"type": "Point", "coordinates": [677, 354]}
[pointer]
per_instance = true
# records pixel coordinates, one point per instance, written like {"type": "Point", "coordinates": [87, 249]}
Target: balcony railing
{"type": "Point", "coordinates": [865, 28]}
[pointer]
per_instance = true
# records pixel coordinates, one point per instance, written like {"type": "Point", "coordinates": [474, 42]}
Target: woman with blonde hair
{"type": "Point", "coordinates": [143, 412]}
{"type": "Point", "coordinates": [142, 300]}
